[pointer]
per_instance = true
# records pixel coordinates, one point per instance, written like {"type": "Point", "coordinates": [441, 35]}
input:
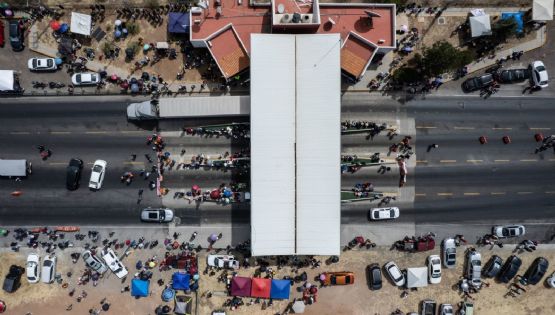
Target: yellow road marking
{"type": "Point", "coordinates": [19, 133]}
{"type": "Point", "coordinates": [540, 128]}
{"type": "Point", "coordinates": [472, 194]}
{"type": "Point", "coordinates": [420, 195]}
{"type": "Point", "coordinates": [133, 163]}
{"type": "Point", "coordinates": [528, 160]}
{"type": "Point", "coordinates": [425, 127]}
{"type": "Point", "coordinates": [60, 132]}
{"type": "Point", "coordinates": [95, 132]}
{"type": "Point", "coordinates": [421, 161]}
{"type": "Point", "coordinates": [501, 160]}
{"type": "Point", "coordinates": [464, 128]}
{"type": "Point", "coordinates": [445, 194]}
{"type": "Point", "coordinates": [474, 161]}
{"type": "Point", "coordinates": [495, 128]}
{"type": "Point", "coordinates": [448, 161]}
{"type": "Point", "coordinates": [498, 193]}
{"type": "Point", "coordinates": [524, 192]}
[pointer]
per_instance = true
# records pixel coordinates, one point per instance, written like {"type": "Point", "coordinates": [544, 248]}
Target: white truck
{"type": "Point", "coordinates": [15, 168]}
{"type": "Point", "coordinates": [190, 107]}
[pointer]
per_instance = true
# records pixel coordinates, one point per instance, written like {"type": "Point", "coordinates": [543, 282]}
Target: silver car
{"type": "Point", "coordinates": [157, 215]}
{"type": "Point", "coordinates": [90, 78]}
{"type": "Point", "coordinates": [449, 252]}
{"type": "Point", "coordinates": [508, 230]}
{"type": "Point", "coordinates": [93, 262]}
{"type": "Point", "coordinates": [474, 268]}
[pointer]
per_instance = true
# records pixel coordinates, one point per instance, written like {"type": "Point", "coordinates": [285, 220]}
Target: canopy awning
{"type": "Point", "coordinates": [139, 287]}
{"type": "Point", "coordinates": [260, 287]}
{"type": "Point", "coordinates": [6, 80]}
{"type": "Point", "coordinates": [280, 289]}
{"type": "Point", "coordinates": [480, 25]}
{"type": "Point", "coordinates": [178, 23]}
{"type": "Point", "coordinates": [417, 277]}
{"type": "Point", "coordinates": [241, 286]}
{"type": "Point", "coordinates": [80, 23]}
{"type": "Point", "coordinates": [542, 10]}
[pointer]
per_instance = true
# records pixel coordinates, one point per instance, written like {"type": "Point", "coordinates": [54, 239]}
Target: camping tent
{"type": "Point", "coordinates": [180, 281]}
{"type": "Point", "coordinates": [179, 23]}
{"type": "Point", "coordinates": [80, 23]}
{"type": "Point", "coordinates": [6, 80]}
{"type": "Point", "coordinates": [183, 305]}
{"type": "Point", "coordinates": [417, 277]}
{"type": "Point", "coordinates": [139, 287]}
{"type": "Point", "coordinates": [241, 286]}
{"type": "Point", "coordinates": [280, 289]}
{"type": "Point", "coordinates": [542, 10]}
{"type": "Point", "coordinates": [480, 25]}
{"type": "Point", "coordinates": [261, 288]}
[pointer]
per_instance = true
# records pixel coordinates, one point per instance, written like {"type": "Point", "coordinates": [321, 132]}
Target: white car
{"type": "Point", "coordinates": [449, 251]}
{"type": "Point", "coordinates": [97, 175]}
{"type": "Point", "coordinates": [33, 268]}
{"type": "Point", "coordinates": [114, 263]}
{"type": "Point", "coordinates": [395, 273]}
{"type": "Point", "coordinates": [446, 309]}
{"type": "Point", "coordinates": [87, 78]}
{"type": "Point", "coordinates": [93, 262]}
{"type": "Point", "coordinates": [48, 269]}
{"type": "Point", "coordinates": [384, 213]}
{"type": "Point", "coordinates": [508, 230]}
{"type": "Point", "coordinates": [42, 64]}
{"type": "Point", "coordinates": [539, 74]}
{"type": "Point", "coordinates": [223, 261]}
{"type": "Point", "coordinates": [434, 269]}
{"type": "Point", "coordinates": [157, 215]}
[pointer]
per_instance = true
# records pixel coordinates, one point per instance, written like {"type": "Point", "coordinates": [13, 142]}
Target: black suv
{"type": "Point", "coordinates": [477, 83]}
{"type": "Point", "coordinates": [13, 280]}
{"type": "Point", "coordinates": [375, 276]}
{"type": "Point", "coordinates": [509, 269]}
{"type": "Point", "coordinates": [16, 36]}
{"type": "Point", "coordinates": [535, 272]}
{"type": "Point", "coordinates": [492, 267]}
{"type": "Point", "coordinates": [74, 173]}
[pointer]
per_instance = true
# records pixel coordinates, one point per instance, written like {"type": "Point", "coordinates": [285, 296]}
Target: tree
{"type": "Point", "coordinates": [407, 75]}
{"type": "Point", "coordinates": [443, 57]}
{"type": "Point", "coordinates": [505, 28]}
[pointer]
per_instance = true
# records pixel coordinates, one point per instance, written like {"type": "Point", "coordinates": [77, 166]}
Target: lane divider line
{"type": "Point", "coordinates": [539, 128]}
{"type": "Point", "coordinates": [132, 131]}
{"type": "Point", "coordinates": [472, 194]}
{"type": "Point", "coordinates": [524, 192]}
{"type": "Point", "coordinates": [19, 133]}
{"type": "Point", "coordinates": [133, 163]}
{"type": "Point", "coordinates": [550, 192]}
{"type": "Point", "coordinates": [464, 128]}
{"type": "Point", "coordinates": [474, 161]}
{"type": "Point", "coordinates": [501, 160]}
{"type": "Point", "coordinates": [420, 195]}
{"type": "Point", "coordinates": [445, 194]}
{"type": "Point", "coordinates": [529, 160]}
{"type": "Point", "coordinates": [95, 132]}
{"type": "Point", "coordinates": [498, 193]}
{"type": "Point", "coordinates": [60, 132]}
{"type": "Point", "coordinates": [56, 163]}
{"type": "Point", "coordinates": [500, 128]}
{"type": "Point", "coordinates": [426, 127]}
{"type": "Point", "coordinates": [421, 161]}
{"type": "Point", "coordinates": [448, 161]}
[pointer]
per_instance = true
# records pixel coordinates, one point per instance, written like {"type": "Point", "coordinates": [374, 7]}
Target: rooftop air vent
{"type": "Point", "coordinates": [286, 18]}
{"type": "Point", "coordinates": [307, 18]}
{"type": "Point", "coordinates": [296, 18]}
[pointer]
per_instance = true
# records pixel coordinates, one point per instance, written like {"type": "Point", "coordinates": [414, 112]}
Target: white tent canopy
{"type": "Point", "coordinates": [417, 277]}
{"type": "Point", "coordinates": [6, 80]}
{"type": "Point", "coordinates": [542, 10]}
{"type": "Point", "coordinates": [480, 25]}
{"type": "Point", "coordinates": [80, 23]}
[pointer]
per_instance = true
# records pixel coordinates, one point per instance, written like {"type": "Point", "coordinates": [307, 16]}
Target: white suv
{"type": "Point", "coordinates": [223, 261]}
{"type": "Point", "coordinates": [539, 74]}
{"type": "Point", "coordinates": [97, 174]}
{"type": "Point", "coordinates": [395, 273]}
{"type": "Point", "coordinates": [114, 263]}
{"type": "Point", "coordinates": [94, 263]}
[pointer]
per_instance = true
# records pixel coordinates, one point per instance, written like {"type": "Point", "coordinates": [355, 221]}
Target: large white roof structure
{"type": "Point", "coordinates": [295, 144]}
{"type": "Point", "coordinates": [81, 23]}
{"type": "Point", "coordinates": [542, 10]}
{"type": "Point", "coordinates": [480, 25]}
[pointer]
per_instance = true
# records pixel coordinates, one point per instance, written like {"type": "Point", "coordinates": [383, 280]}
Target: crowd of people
{"type": "Point", "coordinates": [235, 131]}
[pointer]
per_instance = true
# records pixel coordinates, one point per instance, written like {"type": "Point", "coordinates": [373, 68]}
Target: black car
{"type": "Point", "coordinates": [509, 269]}
{"type": "Point", "coordinates": [492, 267]}
{"type": "Point", "coordinates": [512, 75]}
{"type": "Point", "coordinates": [536, 271]}
{"type": "Point", "coordinates": [477, 83]}
{"type": "Point", "coordinates": [375, 276]}
{"type": "Point", "coordinates": [13, 280]}
{"type": "Point", "coordinates": [74, 173]}
{"type": "Point", "coordinates": [16, 36]}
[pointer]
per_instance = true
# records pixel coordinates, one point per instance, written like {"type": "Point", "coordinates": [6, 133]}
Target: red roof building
{"type": "Point", "coordinates": [225, 26]}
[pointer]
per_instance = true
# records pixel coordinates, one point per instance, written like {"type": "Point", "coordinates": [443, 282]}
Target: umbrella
{"type": "Point", "coordinates": [215, 194]}
{"type": "Point", "coordinates": [227, 193]}
{"type": "Point", "coordinates": [58, 61]}
{"type": "Point", "coordinates": [117, 34]}
{"type": "Point", "coordinates": [105, 306]}
{"type": "Point", "coordinates": [117, 23]}
{"type": "Point", "coordinates": [135, 88]}
{"type": "Point", "coordinates": [196, 277]}
{"type": "Point", "coordinates": [404, 28]}
{"type": "Point", "coordinates": [322, 277]}
{"type": "Point", "coordinates": [152, 264]}
{"type": "Point", "coordinates": [64, 28]}
{"type": "Point", "coordinates": [213, 237]}
{"type": "Point", "coordinates": [124, 31]}
{"type": "Point", "coordinates": [298, 307]}
{"type": "Point", "coordinates": [146, 47]}
{"type": "Point", "coordinates": [8, 13]}
{"type": "Point", "coordinates": [168, 294]}
{"type": "Point", "coordinates": [55, 25]}
{"type": "Point", "coordinates": [196, 188]}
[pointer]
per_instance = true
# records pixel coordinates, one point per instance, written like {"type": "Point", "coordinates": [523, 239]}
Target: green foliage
{"type": "Point", "coordinates": [133, 28]}
{"type": "Point", "coordinates": [505, 28]}
{"type": "Point", "coordinates": [106, 47]}
{"type": "Point", "coordinates": [407, 75]}
{"type": "Point", "coordinates": [443, 57]}
{"type": "Point", "coordinates": [135, 46]}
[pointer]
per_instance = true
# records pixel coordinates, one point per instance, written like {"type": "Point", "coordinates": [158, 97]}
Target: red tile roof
{"type": "Point", "coordinates": [355, 55]}
{"type": "Point", "coordinates": [229, 53]}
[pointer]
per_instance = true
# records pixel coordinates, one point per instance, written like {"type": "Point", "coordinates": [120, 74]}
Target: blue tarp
{"type": "Point", "coordinates": [518, 18]}
{"type": "Point", "coordinates": [139, 287]}
{"type": "Point", "coordinates": [280, 289]}
{"type": "Point", "coordinates": [180, 281]}
{"type": "Point", "coordinates": [179, 22]}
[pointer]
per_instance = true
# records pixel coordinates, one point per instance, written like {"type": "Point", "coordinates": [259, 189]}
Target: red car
{"type": "Point", "coordinates": [1, 33]}
{"type": "Point", "coordinates": [506, 140]}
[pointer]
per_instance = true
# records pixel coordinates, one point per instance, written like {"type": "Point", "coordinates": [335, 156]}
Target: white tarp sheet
{"type": "Point", "coordinates": [542, 10]}
{"type": "Point", "coordinates": [417, 277]}
{"type": "Point", "coordinates": [6, 80]}
{"type": "Point", "coordinates": [480, 25]}
{"type": "Point", "coordinates": [80, 23]}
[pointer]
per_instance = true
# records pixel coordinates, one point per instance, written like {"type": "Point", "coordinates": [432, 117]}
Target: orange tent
{"type": "Point", "coordinates": [260, 287]}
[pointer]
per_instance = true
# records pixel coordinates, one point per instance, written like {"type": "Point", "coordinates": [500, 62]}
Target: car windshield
{"type": "Point", "coordinates": [34, 63]}
{"type": "Point", "coordinates": [333, 280]}
{"type": "Point", "coordinates": [451, 256]}
{"type": "Point", "coordinates": [540, 68]}
{"type": "Point", "coordinates": [97, 168]}
{"type": "Point", "coordinates": [93, 78]}
{"type": "Point", "coordinates": [435, 261]}
{"type": "Point", "coordinates": [49, 63]}
{"type": "Point", "coordinates": [347, 280]}
{"type": "Point", "coordinates": [392, 213]}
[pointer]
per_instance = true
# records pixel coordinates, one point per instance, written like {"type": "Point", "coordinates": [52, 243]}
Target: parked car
{"type": "Point", "coordinates": [223, 261]}
{"type": "Point", "coordinates": [429, 307]}
{"type": "Point", "coordinates": [492, 267]}
{"type": "Point", "coordinates": [467, 308]}
{"type": "Point", "coordinates": [73, 173]}
{"type": "Point", "coordinates": [16, 35]}
{"type": "Point", "coordinates": [42, 64]}
{"type": "Point", "coordinates": [539, 74]}
{"type": "Point", "coordinates": [97, 175]}
{"type": "Point", "coordinates": [449, 253]}
{"type": "Point", "coordinates": [48, 269]}
{"type": "Point", "coordinates": [551, 280]}
{"type": "Point", "coordinates": [477, 83]}
{"type": "Point", "coordinates": [113, 262]}
{"type": "Point", "coordinates": [512, 75]}
{"type": "Point", "coordinates": [93, 262]}
{"type": "Point", "coordinates": [86, 78]}
{"type": "Point", "coordinates": [384, 213]}
{"type": "Point", "coordinates": [339, 278]}
{"type": "Point", "coordinates": [474, 268]}
{"type": "Point", "coordinates": [1, 33]}
{"type": "Point", "coordinates": [33, 268]}
{"type": "Point", "coordinates": [395, 274]}
{"type": "Point", "coordinates": [508, 231]}
{"type": "Point", "coordinates": [446, 309]}
{"type": "Point", "coordinates": [509, 269]}
{"type": "Point", "coordinates": [434, 269]}
{"type": "Point", "coordinates": [157, 215]}
{"type": "Point", "coordinates": [13, 279]}
{"type": "Point", "coordinates": [535, 272]}
{"type": "Point", "coordinates": [375, 276]}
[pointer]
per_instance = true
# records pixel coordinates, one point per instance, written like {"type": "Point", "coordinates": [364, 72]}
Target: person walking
{"type": "Point", "coordinates": [432, 146]}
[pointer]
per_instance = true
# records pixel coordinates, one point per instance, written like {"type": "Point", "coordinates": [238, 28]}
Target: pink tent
{"type": "Point", "coordinates": [261, 288]}
{"type": "Point", "coordinates": [241, 286]}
